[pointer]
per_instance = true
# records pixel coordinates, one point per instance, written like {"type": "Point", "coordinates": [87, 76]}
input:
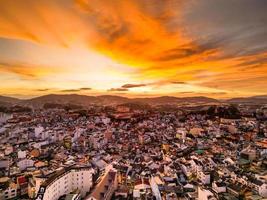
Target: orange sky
{"type": "Point", "coordinates": [133, 47]}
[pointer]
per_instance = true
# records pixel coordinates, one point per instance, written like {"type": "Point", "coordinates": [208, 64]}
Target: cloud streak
{"type": "Point", "coordinates": [133, 85]}
{"type": "Point", "coordinates": [27, 71]}
{"type": "Point", "coordinates": [77, 90]}
{"type": "Point", "coordinates": [117, 90]}
{"type": "Point", "coordinates": [151, 41]}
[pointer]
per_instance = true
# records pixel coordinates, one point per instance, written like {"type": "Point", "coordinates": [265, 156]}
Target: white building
{"type": "Point", "coordinates": [37, 131]}
{"type": "Point", "coordinates": [187, 169]}
{"type": "Point", "coordinates": [4, 117]}
{"type": "Point", "coordinates": [25, 163]}
{"type": "Point", "coordinates": [77, 134]}
{"type": "Point", "coordinates": [106, 187]}
{"type": "Point", "coordinates": [155, 182]}
{"type": "Point", "coordinates": [64, 181]}
{"type": "Point", "coordinates": [259, 186]}
{"type": "Point", "coordinates": [9, 149]}
{"type": "Point", "coordinates": [219, 187]}
{"type": "Point", "coordinates": [22, 154]}
{"type": "Point", "coordinates": [204, 177]}
{"type": "Point", "coordinates": [142, 190]}
{"type": "Point", "coordinates": [204, 194]}
{"type": "Point", "coordinates": [4, 163]}
{"type": "Point", "coordinates": [10, 192]}
{"type": "Point", "coordinates": [38, 145]}
{"type": "Point", "coordinates": [106, 120]}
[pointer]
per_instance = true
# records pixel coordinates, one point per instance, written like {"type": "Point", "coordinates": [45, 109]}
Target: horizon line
{"type": "Point", "coordinates": [156, 96]}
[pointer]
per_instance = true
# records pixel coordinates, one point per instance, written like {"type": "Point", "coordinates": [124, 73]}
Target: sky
{"type": "Point", "coordinates": [213, 48]}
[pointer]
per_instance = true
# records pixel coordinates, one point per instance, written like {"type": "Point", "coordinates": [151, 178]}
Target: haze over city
{"type": "Point", "coordinates": [133, 48]}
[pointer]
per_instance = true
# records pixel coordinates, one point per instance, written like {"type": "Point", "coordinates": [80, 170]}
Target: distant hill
{"type": "Point", "coordinates": [137, 106]}
{"type": "Point", "coordinates": [61, 99]}
{"type": "Point", "coordinates": [8, 101]}
{"type": "Point", "coordinates": [175, 100]}
{"type": "Point", "coordinates": [249, 100]}
{"type": "Point", "coordinates": [112, 99]}
{"type": "Point", "coordinates": [83, 100]}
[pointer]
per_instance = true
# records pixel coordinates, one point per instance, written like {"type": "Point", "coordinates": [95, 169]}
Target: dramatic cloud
{"type": "Point", "coordinates": [27, 71]}
{"type": "Point", "coordinates": [133, 85]}
{"type": "Point", "coordinates": [85, 88]}
{"type": "Point", "coordinates": [42, 90]}
{"type": "Point", "coordinates": [70, 90]}
{"type": "Point", "coordinates": [203, 44]}
{"type": "Point", "coordinates": [178, 82]}
{"type": "Point", "coordinates": [118, 89]}
{"type": "Point", "coordinates": [76, 90]}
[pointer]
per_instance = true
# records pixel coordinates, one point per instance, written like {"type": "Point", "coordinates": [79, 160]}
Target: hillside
{"type": "Point", "coordinates": [8, 101]}
{"type": "Point", "coordinates": [83, 100]}
{"type": "Point", "coordinates": [249, 100]}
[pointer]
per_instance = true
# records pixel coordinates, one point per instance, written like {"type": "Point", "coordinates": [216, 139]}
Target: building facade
{"type": "Point", "coordinates": [65, 182]}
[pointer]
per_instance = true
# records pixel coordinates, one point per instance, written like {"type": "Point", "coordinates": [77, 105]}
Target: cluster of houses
{"type": "Point", "coordinates": [122, 153]}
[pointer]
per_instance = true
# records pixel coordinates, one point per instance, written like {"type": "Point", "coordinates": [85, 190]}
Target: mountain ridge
{"type": "Point", "coordinates": [86, 100]}
{"type": "Point", "coordinates": [105, 100]}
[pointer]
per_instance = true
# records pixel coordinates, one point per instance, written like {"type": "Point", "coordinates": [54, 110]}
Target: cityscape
{"type": "Point", "coordinates": [133, 100]}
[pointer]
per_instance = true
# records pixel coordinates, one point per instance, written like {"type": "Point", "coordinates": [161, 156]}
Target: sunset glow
{"type": "Point", "coordinates": [133, 47]}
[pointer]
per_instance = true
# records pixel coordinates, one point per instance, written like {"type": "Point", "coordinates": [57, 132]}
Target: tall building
{"type": "Point", "coordinates": [106, 187]}
{"type": "Point", "coordinates": [64, 182]}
